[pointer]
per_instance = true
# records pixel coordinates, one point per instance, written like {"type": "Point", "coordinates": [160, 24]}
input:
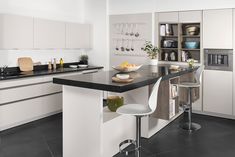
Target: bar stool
{"type": "Point", "coordinates": [190, 126]}
{"type": "Point", "coordinates": [139, 111]}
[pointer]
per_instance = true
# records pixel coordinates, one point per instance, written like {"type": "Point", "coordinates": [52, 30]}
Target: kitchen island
{"type": "Point", "coordinates": [89, 129]}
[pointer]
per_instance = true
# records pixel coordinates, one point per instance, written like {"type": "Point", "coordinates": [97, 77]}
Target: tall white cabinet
{"type": "Point", "coordinates": [217, 28]}
{"type": "Point", "coordinates": [16, 32]}
{"type": "Point", "coordinates": [49, 34]}
{"type": "Point", "coordinates": [233, 62]}
{"type": "Point", "coordinates": [217, 92]}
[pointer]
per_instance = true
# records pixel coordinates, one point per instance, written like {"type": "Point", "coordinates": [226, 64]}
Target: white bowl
{"type": "Point", "coordinates": [123, 76]}
{"type": "Point", "coordinates": [130, 69]}
{"type": "Point", "coordinates": [82, 65]}
{"type": "Point", "coordinates": [73, 66]}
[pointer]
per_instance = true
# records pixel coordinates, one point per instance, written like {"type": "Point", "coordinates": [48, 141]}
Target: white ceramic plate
{"type": "Point", "coordinates": [82, 65]}
{"type": "Point", "coordinates": [130, 69]}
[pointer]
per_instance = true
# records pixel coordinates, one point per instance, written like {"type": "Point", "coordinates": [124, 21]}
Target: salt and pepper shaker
{"type": "Point", "coordinates": [54, 64]}
{"type": "Point", "coordinates": [49, 65]}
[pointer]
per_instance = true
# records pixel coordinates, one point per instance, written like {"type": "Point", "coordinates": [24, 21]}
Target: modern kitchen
{"type": "Point", "coordinates": [121, 78]}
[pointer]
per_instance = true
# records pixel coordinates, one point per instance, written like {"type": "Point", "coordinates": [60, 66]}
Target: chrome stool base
{"type": "Point", "coordinates": [127, 152]}
{"type": "Point", "coordinates": [193, 127]}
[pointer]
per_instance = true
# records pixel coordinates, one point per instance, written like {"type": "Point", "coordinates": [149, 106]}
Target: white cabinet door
{"type": "Point", "coordinates": [217, 29]}
{"type": "Point", "coordinates": [49, 34]}
{"type": "Point", "coordinates": [217, 92]}
{"type": "Point", "coordinates": [78, 35]}
{"type": "Point", "coordinates": [190, 16]}
{"type": "Point", "coordinates": [233, 61]}
{"type": "Point", "coordinates": [16, 32]}
{"type": "Point", "coordinates": [171, 17]}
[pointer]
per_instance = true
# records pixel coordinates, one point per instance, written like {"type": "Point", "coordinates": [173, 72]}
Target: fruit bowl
{"type": "Point", "coordinates": [126, 69]}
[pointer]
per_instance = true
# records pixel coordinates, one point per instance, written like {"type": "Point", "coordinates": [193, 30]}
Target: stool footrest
{"type": "Point", "coordinates": [128, 141]}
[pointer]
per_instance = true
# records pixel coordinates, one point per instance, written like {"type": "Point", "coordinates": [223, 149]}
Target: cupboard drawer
{"type": "Point", "coordinates": [25, 92]}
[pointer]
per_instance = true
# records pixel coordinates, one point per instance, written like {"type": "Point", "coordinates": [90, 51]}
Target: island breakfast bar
{"type": "Point", "coordinates": [91, 130]}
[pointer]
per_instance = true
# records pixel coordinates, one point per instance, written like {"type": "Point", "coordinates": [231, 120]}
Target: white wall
{"type": "Point", "coordinates": [140, 6]}
{"type": "Point", "coordinates": [63, 10]}
{"type": "Point", "coordinates": [95, 13]}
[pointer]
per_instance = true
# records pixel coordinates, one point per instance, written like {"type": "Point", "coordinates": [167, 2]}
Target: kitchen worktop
{"type": "Point", "coordinates": [41, 72]}
{"type": "Point", "coordinates": [146, 75]}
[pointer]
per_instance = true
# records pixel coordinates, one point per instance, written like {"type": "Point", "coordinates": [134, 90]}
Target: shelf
{"type": "Point", "coordinates": [169, 36]}
{"type": "Point", "coordinates": [191, 36]}
{"type": "Point", "coordinates": [190, 49]}
{"type": "Point", "coordinates": [169, 48]}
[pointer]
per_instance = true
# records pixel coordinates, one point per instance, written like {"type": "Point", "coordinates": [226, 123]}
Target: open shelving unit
{"type": "Point", "coordinates": [179, 52]}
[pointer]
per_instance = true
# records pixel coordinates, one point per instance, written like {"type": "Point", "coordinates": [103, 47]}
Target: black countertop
{"type": "Point", "coordinates": [41, 72]}
{"type": "Point", "coordinates": [103, 80]}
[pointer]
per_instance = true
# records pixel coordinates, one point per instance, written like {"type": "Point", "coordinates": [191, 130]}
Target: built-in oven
{"type": "Point", "coordinates": [218, 59]}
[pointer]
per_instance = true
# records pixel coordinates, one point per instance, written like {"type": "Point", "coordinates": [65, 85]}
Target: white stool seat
{"type": "Point", "coordinates": [134, 109]}
{"type": "Point", "coordinates": [189, 84]}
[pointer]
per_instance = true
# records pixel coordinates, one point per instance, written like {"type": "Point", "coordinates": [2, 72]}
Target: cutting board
{"type": "Point", "coordinates": [25, 64]}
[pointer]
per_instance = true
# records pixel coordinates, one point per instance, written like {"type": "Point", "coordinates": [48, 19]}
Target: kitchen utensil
{"type": "Point", "coordinates": [132, 45]}
{"type": "Point", "coordinates": [132, 30]}
{"type": "Point", "coordinates": [127, 29]}
{"type": "Point", "coordinates": [166, 56]}
{"type": "Point", "coordinates": [127, 45]}
{"type": "Point", "coordinates": [170, 44]}
{"type": "Point", "coordinates": [191, 44]}
{"type": "Point", "coordinates": [116, 45]}
{"type": "Point", "coordinates": [122, 28]}
{"type": "Point", "coordinates": [192, 30]}
{"type": "Point", "coordinates": [25, 64]}
{"type": "Point", "coordinates": [173, 56]}
{"type": "Point", "coordinates": [115, 79]}
{"type": "Point", "coordinates": [136, 29]}
{"type": "Point", "coordinates": [129, 69]}
{"type": "Point", "coordinates": [169, 30]}
{"type": "Point", "coordinates": [122, 45]}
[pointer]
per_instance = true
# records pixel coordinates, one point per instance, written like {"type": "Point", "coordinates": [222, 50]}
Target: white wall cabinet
{"type": "Point", "coordinates": [16, 32]}
{"type": "Point", "coordinates": [217, 29]}
{"type": "Point", "coordinates": [49, 34]}
{"type": "Point", "coordinates": [78, 35]}
{"type": "Point", "coordinates": [217, 92]}
{"type": "Point", "coordinates": [168, 17]}
{"type": "Point", "coordinates": [190, 16]}
{"type": "Point", "coordinates": [234, 62]}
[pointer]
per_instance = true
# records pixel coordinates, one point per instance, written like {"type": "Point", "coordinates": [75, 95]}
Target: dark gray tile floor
{"type": "Point", "coordinates": [43, 138]}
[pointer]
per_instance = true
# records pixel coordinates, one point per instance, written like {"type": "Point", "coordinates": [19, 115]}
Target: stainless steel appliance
{"type": "Point", "coordinates": [218, 59]}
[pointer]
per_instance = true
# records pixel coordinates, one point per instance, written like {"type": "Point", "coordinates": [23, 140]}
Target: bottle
{"type": "Point", "coordinates": [54, 64]}
{"type": "Point", "coordinates": [61, 63]}
{"type": "Point", "coordinates": [49, 65]}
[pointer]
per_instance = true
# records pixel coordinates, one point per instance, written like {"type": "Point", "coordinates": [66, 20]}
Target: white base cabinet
{"type": "Point", "coordinates": [28, 99]}
{"type": "Point", "coordinates": [217, 92]}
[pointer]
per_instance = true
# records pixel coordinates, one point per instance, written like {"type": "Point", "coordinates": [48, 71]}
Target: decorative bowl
{"type": "Point", "coordinates": [192, 30]}
{"type": "Point", "coordinates": [191, 44]}
{"type": "Point", "coordinates": [127, 69]}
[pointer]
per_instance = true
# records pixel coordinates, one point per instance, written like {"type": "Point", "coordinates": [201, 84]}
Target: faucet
{"type": "Point", "coordinates": [3, 70]}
